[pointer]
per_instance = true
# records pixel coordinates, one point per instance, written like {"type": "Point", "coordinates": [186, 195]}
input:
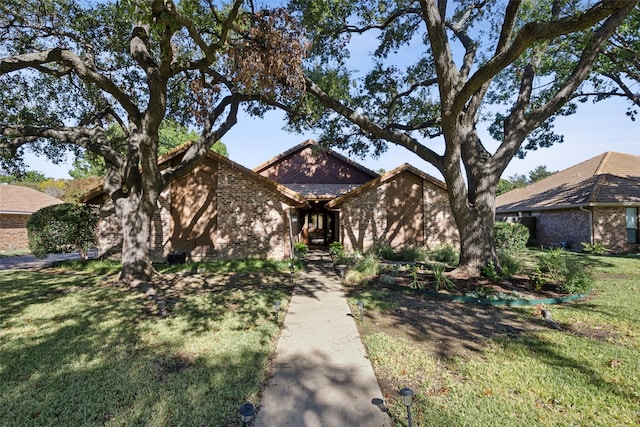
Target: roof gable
{"type": "Point", "coordinates": [385, 178]}
{"type": "Point", "coordinates": [310, 163]}
{"type": "Point", "coordinates": [610, 178]}
{"type": "Point", "coordinates": [174, 156]}
{"type": "Point", "coordinates": [23, 200]}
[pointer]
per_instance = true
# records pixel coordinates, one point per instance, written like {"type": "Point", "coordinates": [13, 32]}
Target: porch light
{"type": "Point", "coordinates": [247, 411]}
{"type": "Point", "coordinates": [276, 307]}
{"type": "Point", "coordinates": [360, 307]}
{"type": "Point", "coordinates": [407, 400]}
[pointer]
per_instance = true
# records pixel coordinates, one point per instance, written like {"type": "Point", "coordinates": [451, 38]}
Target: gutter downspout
{"type": "Point", "coordinates": [590, 213]}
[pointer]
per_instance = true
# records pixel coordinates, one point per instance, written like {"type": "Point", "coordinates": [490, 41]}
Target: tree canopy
{"type": "Point", "coordinates": [440, 70]}
{"type": "Point", "coordinates": [71, 72]}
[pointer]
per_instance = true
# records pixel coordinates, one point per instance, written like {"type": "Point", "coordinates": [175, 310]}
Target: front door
{"type": "Point", "coordinates": [318, 227]}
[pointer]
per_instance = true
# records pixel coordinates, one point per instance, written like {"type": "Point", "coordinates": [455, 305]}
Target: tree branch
{"type": "Point", "coordinates": [68, 59]}
{"type": "Point", "coordinates": [372, 128]}
{"type": "Point", "coordinates": [381, 26]}
{"type": "Point", "coordinates": [534, 31]}
{"type": "Point", "coordinates": [92, 139]}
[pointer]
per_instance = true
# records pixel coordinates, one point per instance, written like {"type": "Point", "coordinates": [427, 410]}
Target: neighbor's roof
{"type": "Point", "coordinates": [16, 199]}
{"type": "Point", "coordinates": [609, 179]}
{"type": "Point", "coordinates": [384, 178]}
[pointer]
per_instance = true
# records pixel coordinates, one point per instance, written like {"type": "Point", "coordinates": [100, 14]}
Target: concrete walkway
{"type": "Point", "coordinates": [321, 376]}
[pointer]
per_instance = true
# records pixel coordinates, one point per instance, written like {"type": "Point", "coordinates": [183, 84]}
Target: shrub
{"type": "Point", "coordinates": [364, 270]}
{"type": "Point", "coordinates": [383, 250]}
{"type": "Point", "coordinates": [510, 236]}
{"type": "Point", "coordinates": [576, 277]}
{"type": "Point", "coordinates": [595, 248]}
{"type": "Point", "coordinates": [300, 250]}
{"type": "Point", "coordinates": [63, 228]}
{"type": "Point", "coordinates": [510, 264]}
{"type": "Point", "coordinates": [411, 254]}
{"type": "Point", "coordinates": [571, 274]}
{"type": "Point", "coordinates": [336, 249]}
{"type": "Point", "coordinates": [445, 253]}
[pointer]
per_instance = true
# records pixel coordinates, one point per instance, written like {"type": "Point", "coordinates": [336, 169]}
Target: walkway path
{"type": "Point", "coordinates": [321, 376]}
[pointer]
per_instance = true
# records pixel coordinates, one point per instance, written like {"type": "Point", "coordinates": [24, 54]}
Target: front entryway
{"type": "Point", "coordinates": [318, 227]}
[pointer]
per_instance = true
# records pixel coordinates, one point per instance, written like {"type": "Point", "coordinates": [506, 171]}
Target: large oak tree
{"type": "Point", "coordinates": [440, 69]}
{"type": "Point", "coordinates": [70, 71]}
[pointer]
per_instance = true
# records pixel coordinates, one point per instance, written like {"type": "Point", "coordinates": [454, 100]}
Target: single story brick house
{"type": "Point", "coordinates": [222, 210]}
{"type": "Point", "coordinates": [596, 201]}
{"type": "Point", "coordinates": [17, 204]}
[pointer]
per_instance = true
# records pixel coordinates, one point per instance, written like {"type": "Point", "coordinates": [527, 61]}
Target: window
{"type": "Point", "coordinates": [632, 225]}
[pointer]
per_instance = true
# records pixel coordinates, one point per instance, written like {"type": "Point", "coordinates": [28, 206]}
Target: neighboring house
{"type": "Point", "coordinates": [224, 210]}
{"type": "Point", "coordinates": [596, 201]}
{"type": "Point", "coordinates": [17, 203]}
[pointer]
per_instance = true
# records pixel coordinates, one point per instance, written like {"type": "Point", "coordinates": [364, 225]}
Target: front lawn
{"type": "Point", "coordinates": [472, 365]}
{"type": "Point", "coordinates": [77, 348]}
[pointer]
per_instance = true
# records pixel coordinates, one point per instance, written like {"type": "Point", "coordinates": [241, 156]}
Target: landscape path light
{"type": "Point", "coordinates": [247, 411]}
{"type": "Point", "coordinates": [360, 307]}
{"type": "Point", "coordinates": [407, 400]}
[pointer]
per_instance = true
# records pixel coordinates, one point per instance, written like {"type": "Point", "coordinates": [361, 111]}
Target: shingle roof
{"type": "Point", "coordinates": [321, 191]}
{"type": "Point", "coordinates": [16, 199]}
{"type": "Point", "coordinates": [608, 179]}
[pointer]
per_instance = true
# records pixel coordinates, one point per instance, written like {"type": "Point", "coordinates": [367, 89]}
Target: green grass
{"type": "Point", "coordinates": [76, 350]}
{"type": "Point", "coordinates": [589, 376]}
{"type": "Point", "coordinates": [12, 253]}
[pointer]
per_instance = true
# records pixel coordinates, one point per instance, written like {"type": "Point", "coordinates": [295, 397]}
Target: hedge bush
{"type": "Point", "coordinates": [510, 236]}
{"type": "Point", "coordinates": [63, 228]}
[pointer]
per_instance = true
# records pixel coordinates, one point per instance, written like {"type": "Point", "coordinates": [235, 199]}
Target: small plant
{"type": "Point", "coordinates": [538, 281]}
{"type": "Point", "coordinates": [595, 248]}
{"type": "Point", "coordinates": [300, 250]}
{"type": "Point", "coordinates": [336, 249]}
{"type": "Point", "coordinates": [364, 270]}
{"type": "Point", "coordinates": [510, 265]}
{"type": "Point", "coordinates": [491, 272]}
{"type": "Point", "coordinates": [441, 280]}
{"type": "Point", "coordinates": [387, 280]}
{"type": "Point", "coordinates": [445, 253]}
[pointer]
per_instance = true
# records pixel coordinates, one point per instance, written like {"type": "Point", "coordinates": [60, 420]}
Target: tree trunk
{"type": "Point", "coordinates": [136, 215]}
{"type": "Point", "coordinates": [472, 198]}
{"type": "Point", "coordinates": [477, 245]}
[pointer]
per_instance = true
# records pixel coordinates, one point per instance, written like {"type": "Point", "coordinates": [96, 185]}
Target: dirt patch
{"type": "Point", "coordinates": [447, 328]}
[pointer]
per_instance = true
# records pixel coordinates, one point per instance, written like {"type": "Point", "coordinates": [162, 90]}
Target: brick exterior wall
{"type": "Point", "coordinates": [215, 212]}
{"type": "Point", "coordinates": [439, 224]}
{"type": "Point", "coordinates": [568, 225]}
{"type": "Point", "coordinates": [253, 219]}
{"type": "Point", "coordinates": [610, 228]}
{"type": "Point", "coordinates": [13, 232]}
{"type": "Point", "coordinates": [364, 218]}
